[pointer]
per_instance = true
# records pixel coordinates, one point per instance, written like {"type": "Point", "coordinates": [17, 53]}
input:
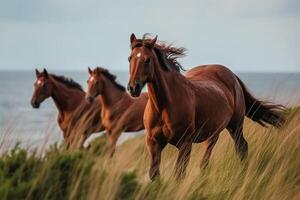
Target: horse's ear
{"type": "Point", "coordinates": [97, 71]}
{"type": "Point", "coordinates": [45, 73]}
{"type": "Point", "coordinates": [132, 38]}
{"type": "Point", "coordinates": [90, 71]}
{"type": "Point", "coordinates": [37, 73]}
{"type": "Point", "coordinates": [153, 41]}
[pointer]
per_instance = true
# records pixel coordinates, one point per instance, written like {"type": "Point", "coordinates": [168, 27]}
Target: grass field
{"type": "Point", "coordinates": [272, 170]}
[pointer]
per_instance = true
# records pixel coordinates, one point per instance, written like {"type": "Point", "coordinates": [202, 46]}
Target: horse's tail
{"type": "Point", "coordinates": [262, 112]}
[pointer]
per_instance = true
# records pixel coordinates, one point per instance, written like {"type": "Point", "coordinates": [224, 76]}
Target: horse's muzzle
{"type": "Point", "coordinates": [35, 104]}
{"type": "Point", "coordinates": [135, 90]}
{"type": "Point", "coordinates": [89, 99]}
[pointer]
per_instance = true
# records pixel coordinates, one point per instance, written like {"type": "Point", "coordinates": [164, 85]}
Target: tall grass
{"type": "Point", "coordinates": [272, 170]}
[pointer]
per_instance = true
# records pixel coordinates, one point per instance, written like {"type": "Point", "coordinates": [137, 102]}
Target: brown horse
{"type": "Point", "coordinates": [119, 112]}
{"type": "Point", "coordinates": [191, 108]}
{"type": "Point", "coordinates": [77, 119]}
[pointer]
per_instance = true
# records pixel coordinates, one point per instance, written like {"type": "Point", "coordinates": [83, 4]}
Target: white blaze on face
{"type": "Point", "coordinates": [39, 82]}
{"type": "Point", "coordinates": [92, 78]}
{"type": "Point", "coordinates": [138, 55]}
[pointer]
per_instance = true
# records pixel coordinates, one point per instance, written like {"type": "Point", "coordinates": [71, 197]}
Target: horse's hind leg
{"type": "Point", "coordinates": [241, 144]}
{"type": "Point", "coordinates": [210, 143]}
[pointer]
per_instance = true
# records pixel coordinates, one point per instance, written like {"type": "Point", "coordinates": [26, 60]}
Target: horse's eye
{"type": "Point", "coordinates": [129, 58]}
{"type": "Point", "coordinates": [147, 61]}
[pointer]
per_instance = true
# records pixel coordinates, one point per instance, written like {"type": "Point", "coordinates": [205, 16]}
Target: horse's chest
{"type": "Point", "coordinates": [108, 119]}
{"type": "Point", "coordinates": [168, 122]}
{"type": "Point", "coordinates": [64, 122]}
{"type": "Point", "coordinates": [105, 117]}
{"type": "Point", "coordinates": [171, 126]}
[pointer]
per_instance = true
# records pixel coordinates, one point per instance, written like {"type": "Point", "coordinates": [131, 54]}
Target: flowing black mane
{"type": "Point", "coordinates": [166, 53]}
{"type": "Point", "coordinates": [110, 76]}
{"type": "Point", "coordinates": [67, 81]}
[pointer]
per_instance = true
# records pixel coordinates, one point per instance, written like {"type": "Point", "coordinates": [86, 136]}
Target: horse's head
{"type": "Point", "coordinates": [142, 61]}
{"type": "Point", "coordinates": [95, 84]}
{"type": "Point", "coordinates": [42, 88]}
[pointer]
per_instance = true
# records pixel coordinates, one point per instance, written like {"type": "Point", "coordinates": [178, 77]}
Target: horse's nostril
{"type": "Point", "coordinates": [129, 88]}
{"type": "Point", "coordinates": [35, 104]}
{"type": "Point", "coordinates": [89, 99]}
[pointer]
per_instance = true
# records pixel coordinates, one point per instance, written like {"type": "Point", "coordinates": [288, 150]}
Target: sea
{"type": "Point", "coordinates": [21, 124]}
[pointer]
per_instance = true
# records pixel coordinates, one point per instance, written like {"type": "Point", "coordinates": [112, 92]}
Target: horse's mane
{"type": "Point", "coordinates": [167, 54]}
{"type": "Point", "coordinates": [67, 81]}
{"type": "Point", "coordinates": [110, 77]}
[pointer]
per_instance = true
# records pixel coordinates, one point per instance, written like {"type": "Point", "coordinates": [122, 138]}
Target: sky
{"type": "Point", "coordinates": [246, 36]}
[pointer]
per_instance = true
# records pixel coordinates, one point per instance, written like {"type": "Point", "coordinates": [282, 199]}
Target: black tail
{"type": "Point", "coordinates": [264, 113]}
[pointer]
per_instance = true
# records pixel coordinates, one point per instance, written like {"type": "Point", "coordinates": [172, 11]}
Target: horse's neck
{"type": "Point", "coordinates": [111, 95]}
{"type": "Point", "coordinates": [66, 99]}
{"type": "Point", "coordinates": [166, 87]}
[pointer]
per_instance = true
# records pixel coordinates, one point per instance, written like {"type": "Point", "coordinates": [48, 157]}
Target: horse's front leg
{"type": "Point", "coordinates": [67, 145]}
{"type": "Point", "coordinates": [113, 139]}
{"type": "Point", "coordinates": [155, 148]}
{"type": "Point", "coordinates": [183, 159]}
{"type": "Point", "coordinates": [82, 140]}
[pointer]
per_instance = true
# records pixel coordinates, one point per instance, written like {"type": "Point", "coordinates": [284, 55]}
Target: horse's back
{"type": "Point", "coordinates": [139, 103]}
{"type": "Point", "coordinates": [87, 117]}
{"type": "Point", "coordinates": [210, 72]}
{"type": "Point", "coordinates": [133, 114]}
{"type": "Point", "coordinates": [144, 97]}
{"type": "Point", "coordinates": [214, 74]}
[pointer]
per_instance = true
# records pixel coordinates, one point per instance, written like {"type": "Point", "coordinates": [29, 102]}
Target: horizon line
{"type": "Point", "coordinates": [122, 70]}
